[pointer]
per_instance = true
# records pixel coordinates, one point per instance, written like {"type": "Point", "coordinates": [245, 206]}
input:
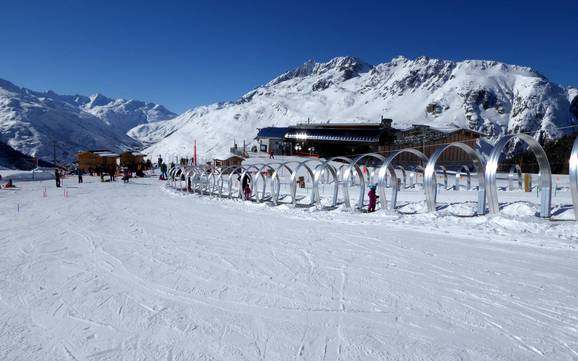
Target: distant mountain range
{"type": "Point", "coordinates": [487, 96]}
{"type": "Point", "coordinates": [34, 122]}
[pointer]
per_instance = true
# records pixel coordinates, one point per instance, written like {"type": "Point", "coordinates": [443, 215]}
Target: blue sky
{"type": "Point", "coordinates": [187, 53]}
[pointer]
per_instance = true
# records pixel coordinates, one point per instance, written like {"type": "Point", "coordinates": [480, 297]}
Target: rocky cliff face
{"type": "Point", "coordinates": [486, 96]}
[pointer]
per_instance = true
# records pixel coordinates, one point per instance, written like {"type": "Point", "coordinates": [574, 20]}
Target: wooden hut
{"type": "Point", "coordinates": [93, 160]}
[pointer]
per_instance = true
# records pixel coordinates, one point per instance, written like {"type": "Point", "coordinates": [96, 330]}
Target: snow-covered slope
{"type": "Point", "coordinates": [32, 121]}
{"type": "Point", "coordinates": [487, 96]}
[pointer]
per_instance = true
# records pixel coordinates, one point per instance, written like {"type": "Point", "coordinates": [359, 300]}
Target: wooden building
{"type": "Point", "coordinates": [97, 159]}
{"type": "Point", "coordinates": [227, 161]}
{"type": "Point", "coordinates": [132, 160]}
{"type": "Point", "coordinates": [427, 139]}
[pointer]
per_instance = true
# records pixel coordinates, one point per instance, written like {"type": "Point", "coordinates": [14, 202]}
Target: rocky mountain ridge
{"type": "Point", "coordinates": [487, 96]}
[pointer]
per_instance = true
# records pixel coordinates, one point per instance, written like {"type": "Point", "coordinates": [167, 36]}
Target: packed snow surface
{"type": "Point", "coordinates": [144, 272]}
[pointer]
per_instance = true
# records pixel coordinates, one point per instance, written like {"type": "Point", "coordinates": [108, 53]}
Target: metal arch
{"type": "Point", "coordinates": [386, 166]}
{"type": "Point", "coordinates": [196, 172]}
{"type": "Point", "coordinates": [294, 180]}
{"type": "Point", "coordinates": [515, 169]}
{"type": "Point", "coordinates": [213, 180]}
{"type": "Point", "coordinates": [337, 177]}
{"type": "Point", "coordinates": [403, 174]}
{"type": "Point", "coordinates": [445, 174]}
{"type": "Point", "coordinates": [220, 181]}
{"type": "Point", "coordinates": [230, 181]}
{"type": "Point", "coordinates": [347, 177]}
{"type": "Point", "coordinates": [171, 174]}
{"type": "Point", "coordinates": [270, 167]}
{"type": "Point", "coordinates": [574, 176]}
{"type": "Point", "coordinates": [204, 185]}
{"type": "Point", "coordinates": [177, 177]}
{"type": "Point", "coordinates": [468, 178]}
{"type": "Point", "coordinates": [188, 180]}
{"type": "Point", "coordinates": [195, 180]}
{"type": "Point", "coordinates": [430, 181]}
{"type": "Point", "coordinates": [346, 162]}
{"type": "Point", "coordinates": [318, 174]}
{"type": "Point", "coordinates": [254, 192]}
{"type": "Point", "coordinates": [543, 163]}
{"type": "Point", "coordinates": [276, 182]}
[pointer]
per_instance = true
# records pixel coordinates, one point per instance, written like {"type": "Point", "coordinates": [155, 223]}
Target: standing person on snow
{"type": "Point", "coordinates": [57, 177]}
{"type": "Point", "coordinates": [79, 172]}
{"type": "Point", "coordinates": [163, 172]}
{"type": "Point", "coordinates": [245, 186]}
{"type": "Point", "coordinates": [372, 198]}
{"type": "Point", "coordinates": [125, 175]}
{"type": "Point", "coordinates": [247, 192]}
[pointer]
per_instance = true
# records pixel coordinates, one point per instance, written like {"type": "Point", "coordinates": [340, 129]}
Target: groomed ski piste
{"type": "Point", "coordinates": [145, 271]}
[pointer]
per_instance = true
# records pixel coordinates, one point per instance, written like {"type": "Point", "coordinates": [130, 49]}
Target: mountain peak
{"type": "Point", "coordinates": [98, 100]}
{"type": "Point", "coordinates": [348, 65]}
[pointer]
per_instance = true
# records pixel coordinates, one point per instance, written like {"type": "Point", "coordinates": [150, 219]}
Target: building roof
{"type": "Point", "coordinates": [272, 132]}
{"type": "Point", "coordinates": [447, 130]}
{"type": "Point", "coordinates": [226, 156]}
{"type": "Point", "coordinates": [337, 125]}
{"type": "Point", "coordinates": [106, 154]}
{"type": "Point", "coordinates": [340, 135]}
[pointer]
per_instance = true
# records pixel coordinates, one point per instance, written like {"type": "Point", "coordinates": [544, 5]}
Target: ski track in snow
{"type": "Point", "coordinates": [142, 272]}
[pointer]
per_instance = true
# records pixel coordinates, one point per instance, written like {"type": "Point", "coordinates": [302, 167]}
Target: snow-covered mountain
{"type": "Point", "coordinates": [486, 96]}
{"type": "Point", "coordinates": [31, 122]}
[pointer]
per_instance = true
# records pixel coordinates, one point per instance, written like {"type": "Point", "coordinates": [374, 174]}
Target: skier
{"type": "Point", "coordinates": [163, 172]}
{"type": "Point", "coordinates": [79, 172]}
{"type": "Point", "coordinates": [245, 186]}
{"type": "Point", "coordinates": [372, 198]}
{"type": "Point", "coordinates": [247, 192]}
{"type": "Point", "coordinates": [57, 177]}
{"type": "Point", "coordinates": [125, 175]}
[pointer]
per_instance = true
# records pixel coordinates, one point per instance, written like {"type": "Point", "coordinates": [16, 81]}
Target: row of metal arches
{"type": "Point", "coordinates": [342, 172]}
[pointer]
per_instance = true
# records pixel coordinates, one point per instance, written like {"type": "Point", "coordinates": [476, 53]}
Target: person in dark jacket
{"type": "Point", "coordinates": [57, 177]}
{"type": "Point", "coordinates": [79, 173]}
{"type": "Point", "coordinates": [125, 175]}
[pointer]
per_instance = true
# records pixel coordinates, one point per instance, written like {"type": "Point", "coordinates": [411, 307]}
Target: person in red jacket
{"type": "Point", "coordinates": [247, 191]}
{"type": "Point", "coordinates": [372, 198]}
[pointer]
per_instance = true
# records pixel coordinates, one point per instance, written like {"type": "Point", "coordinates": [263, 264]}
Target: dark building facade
{"type": "Point", "coordinates": [272, 140]}
{"type": "Point", "coordinates": [339, 139]}
{"type": "Point", "coordinates": [350, 139]}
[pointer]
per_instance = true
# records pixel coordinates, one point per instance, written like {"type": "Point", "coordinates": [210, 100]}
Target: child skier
{"type": "Point", "coordinates": [372, 198]}
{"type": "Point", "coordinates": [247, 191]}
